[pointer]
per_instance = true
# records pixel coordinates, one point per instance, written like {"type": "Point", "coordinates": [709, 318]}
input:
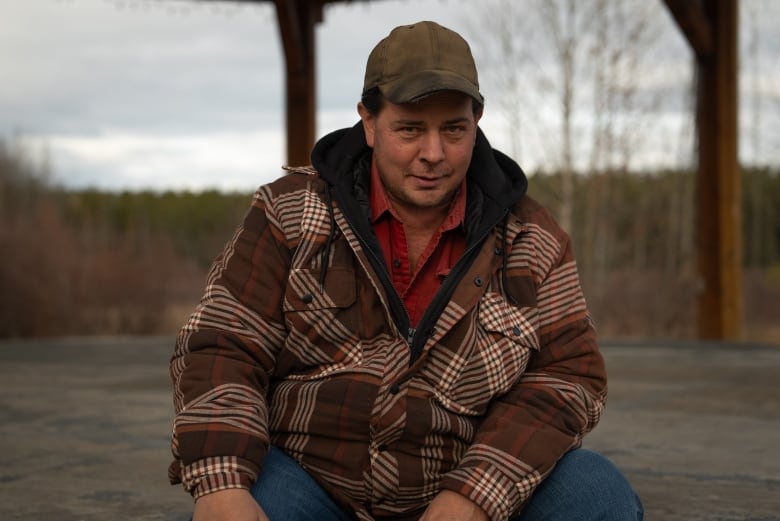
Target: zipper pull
{"type": "Point", "coordinates": [410, 335]}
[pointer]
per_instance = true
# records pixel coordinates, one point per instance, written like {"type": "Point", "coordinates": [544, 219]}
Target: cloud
{"type": "Point", "coordinates": [121, 161]}
{"type": "Point", "coordinates": [88, 65]}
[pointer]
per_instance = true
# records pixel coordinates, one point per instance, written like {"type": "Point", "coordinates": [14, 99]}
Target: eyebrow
{"type": "Point", "coordinates": [456, 120]}
{"type": "Point", "coordinates": [413, 122]}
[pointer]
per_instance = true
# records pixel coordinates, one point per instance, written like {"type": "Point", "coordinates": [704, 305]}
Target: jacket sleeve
{"type": "Point", "coordinates": [558, 399]}
{"type": "Point", "coordinates": [224, 357]}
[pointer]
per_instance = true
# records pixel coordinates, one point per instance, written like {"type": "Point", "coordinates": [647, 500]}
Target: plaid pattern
{"type": "Point", "coordinates": [503, 389]}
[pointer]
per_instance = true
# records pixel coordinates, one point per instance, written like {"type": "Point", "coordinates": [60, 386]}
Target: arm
{"type": "Point", "coordinates": [224, 357]}
{"type": "Point", "coordinates": [556, 401]}
{"type": "Point", "coordinates": [451, 506]}
{"type": "Point", "coordinates": [229, 504]}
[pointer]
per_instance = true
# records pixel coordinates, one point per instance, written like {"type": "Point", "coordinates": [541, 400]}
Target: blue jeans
{"type": "Point", "coordinates": [584, 486]}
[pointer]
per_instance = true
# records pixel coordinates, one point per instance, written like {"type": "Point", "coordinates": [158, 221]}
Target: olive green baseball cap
{"type": "Point", "coordinates": [416, 60]}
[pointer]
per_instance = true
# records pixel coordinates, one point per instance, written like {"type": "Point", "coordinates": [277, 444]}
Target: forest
{"type": "Point", "coordinates": [85, 262]}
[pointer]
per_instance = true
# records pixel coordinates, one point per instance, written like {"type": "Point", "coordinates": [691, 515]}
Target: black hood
{"type": "Point", "coordinates": [499, 181]}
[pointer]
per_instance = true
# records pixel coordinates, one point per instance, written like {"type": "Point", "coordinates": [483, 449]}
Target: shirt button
{"type": "Point", "coordinates": [382, 447]}
{"type": "Point", "coordinates": [396, 263]}
{"type": "Point", "coordinates": [478, 282]}
{"type": "Point", "coordinates": [307, 298]}
{"type": "Point", "coordinates": [516, 331]}
{"type": "Point", "coordinates": [395, 388]}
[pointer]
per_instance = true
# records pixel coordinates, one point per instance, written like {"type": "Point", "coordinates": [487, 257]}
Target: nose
{"type": "Point", "coordinates": [432, 148]}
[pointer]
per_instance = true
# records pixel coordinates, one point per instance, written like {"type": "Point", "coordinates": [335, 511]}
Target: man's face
{"type": "Point", "coordinates": [422, 150]}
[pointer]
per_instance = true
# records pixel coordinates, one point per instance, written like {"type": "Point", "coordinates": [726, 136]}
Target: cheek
{"type": "Point", "coordinates": [460, 157]}
{"type": "Point", "coordinates": [394, 153]}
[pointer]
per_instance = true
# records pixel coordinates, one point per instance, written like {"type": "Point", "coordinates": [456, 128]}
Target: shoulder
{"type": "Point", "coordinates": [296, 184]}
{"type": "Point", "coordinates": [295, 179]}
{"type": "Point", "coordinates": [539, 234]}
{"type": "Point", "coordinates": [283, 202]}
{"type": "Point", "coordinates": [529, 211]}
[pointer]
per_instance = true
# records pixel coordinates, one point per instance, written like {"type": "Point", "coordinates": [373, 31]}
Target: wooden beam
{"type": "Point", "coordinates": [718, 207]}
{"type": "Point", "coordinates": [694, 24]}
{"type": "Point", "coordinates": [297, 20]}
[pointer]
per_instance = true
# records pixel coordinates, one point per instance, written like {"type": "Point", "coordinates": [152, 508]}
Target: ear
{"type": "Point", "coordinates": [369, 123]}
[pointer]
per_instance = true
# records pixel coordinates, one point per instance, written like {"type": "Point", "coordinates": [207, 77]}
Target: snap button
{"type": "Point", "coordinates": [307, 298]}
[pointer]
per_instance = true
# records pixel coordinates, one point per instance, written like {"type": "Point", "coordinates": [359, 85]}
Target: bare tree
{"type": "Point", "coordinates": [571, 69]}
{"type": "Point", "coordinates": [623, 33]}
{"type": "Point", "coordinates": [535, 48]}
{"type": "Point", "coordinates": [580, 73]}
{"type": "Point", "coordinates": [505, 61]}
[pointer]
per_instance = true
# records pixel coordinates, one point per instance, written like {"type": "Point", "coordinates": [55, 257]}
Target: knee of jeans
{"type": "Point", "coordinates": [605, 481]}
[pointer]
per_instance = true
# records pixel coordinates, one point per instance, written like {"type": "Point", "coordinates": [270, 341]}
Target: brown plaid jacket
{"type": "Point", "coordinates": [295, 343]}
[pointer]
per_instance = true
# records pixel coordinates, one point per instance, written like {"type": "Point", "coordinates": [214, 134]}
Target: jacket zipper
{"type": "Point", "coordinates": [384, 279]}
{"type": "Point", "coordinates": [410, 336]}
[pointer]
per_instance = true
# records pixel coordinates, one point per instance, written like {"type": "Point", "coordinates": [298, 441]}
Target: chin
{"type": "Point", "coordinates": [431, 202]}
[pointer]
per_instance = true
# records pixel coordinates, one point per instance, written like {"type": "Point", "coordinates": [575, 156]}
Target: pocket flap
{"type": "Point", "coordinates": [304, 292]}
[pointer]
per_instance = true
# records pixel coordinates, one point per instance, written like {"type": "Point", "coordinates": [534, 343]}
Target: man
{"type": "Point", "coordinates": [396, 332]}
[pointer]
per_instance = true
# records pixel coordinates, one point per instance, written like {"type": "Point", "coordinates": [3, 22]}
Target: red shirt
{"type": "Point", "coordinates": [444, 249]}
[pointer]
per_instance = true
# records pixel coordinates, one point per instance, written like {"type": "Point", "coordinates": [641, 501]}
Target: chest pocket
{"type": "Point", "coordinates": [490, 363]}
{"type": "Point", "coordinates": [322, 325]}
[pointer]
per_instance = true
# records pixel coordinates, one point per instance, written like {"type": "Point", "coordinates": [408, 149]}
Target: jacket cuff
{"type": "Point", "coordinates": [499, 494]}
{"type": "Point", "coordinates": [217, 473]}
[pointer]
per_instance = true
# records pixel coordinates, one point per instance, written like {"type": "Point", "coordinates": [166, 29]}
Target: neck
{"type": "Point", "coordinates": [421, 218]}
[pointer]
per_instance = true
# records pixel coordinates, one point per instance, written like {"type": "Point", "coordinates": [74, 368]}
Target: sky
{"type": "Point", "coordinates": [183, 95]}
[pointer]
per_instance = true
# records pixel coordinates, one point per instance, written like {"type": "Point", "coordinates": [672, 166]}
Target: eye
{"type": "Point", "coordinates": [408, 131]}
{"type": "Point", "coordinates": [455, 130]}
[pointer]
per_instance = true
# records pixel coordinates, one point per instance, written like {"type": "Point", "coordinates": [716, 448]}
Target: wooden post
{"type": "Point", "coordinates": [718, 189]}
{"type": "Point", "coordinates": [297, 19]}
{"type": "Point", "coordinates": [711, 29]}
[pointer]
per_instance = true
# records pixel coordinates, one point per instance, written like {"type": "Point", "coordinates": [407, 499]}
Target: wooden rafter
{"type": "Point", "coordinates": [694, 24]}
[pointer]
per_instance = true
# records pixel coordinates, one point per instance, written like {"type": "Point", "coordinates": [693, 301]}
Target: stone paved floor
{"type": "Point", "coordinates": [84, 426]}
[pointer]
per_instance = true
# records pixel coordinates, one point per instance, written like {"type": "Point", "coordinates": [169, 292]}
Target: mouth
{"type": "Point", "coordinates": [430, 177]}
{"type": "Point", "coordinates": [425, 181]}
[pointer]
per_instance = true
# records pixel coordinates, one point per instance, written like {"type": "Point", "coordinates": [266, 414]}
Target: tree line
{"type": "Point", "coordinates": [90, 262]}
{"type": "Point", "coordinates": [80, 262]}
{"type": "Point", "coordinates": [634, 237]}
